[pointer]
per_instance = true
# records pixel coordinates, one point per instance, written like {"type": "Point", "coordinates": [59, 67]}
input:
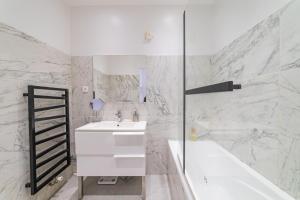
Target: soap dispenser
{"type": "Point", "coordinates": [135, 116]}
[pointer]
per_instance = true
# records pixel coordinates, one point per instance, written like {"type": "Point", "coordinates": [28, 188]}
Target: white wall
{"type": "Point", "coordinates": [119, 30]}
{"type": "Point", "coordinates": [234, 17]}
{"type": "Point", "coordinates": [211, 27]}
{"type": "Point", "coordinates": [46, 20]}
{"type": "Point", "coordinates": [199, 29]}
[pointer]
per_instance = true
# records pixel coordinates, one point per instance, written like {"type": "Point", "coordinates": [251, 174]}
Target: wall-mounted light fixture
{"type": "Point", "coordinates": [148, 36]}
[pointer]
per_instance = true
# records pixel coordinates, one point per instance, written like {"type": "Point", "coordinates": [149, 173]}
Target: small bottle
{"type": "Point", "coordinates": [193, 134]}
{"type": "Point", "coordinates": [135, 116]}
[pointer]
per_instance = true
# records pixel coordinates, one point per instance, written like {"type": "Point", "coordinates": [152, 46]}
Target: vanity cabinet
{"type": "Point", "coordinates": [110, 153]}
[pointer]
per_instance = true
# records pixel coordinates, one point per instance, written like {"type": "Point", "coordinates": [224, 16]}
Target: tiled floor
{"type": "Point", "coordinates": [111, 198]}
{"type": "Point", "coordinates": [157, 188]}
{"type": "Point", "coordinates": [131, 186]}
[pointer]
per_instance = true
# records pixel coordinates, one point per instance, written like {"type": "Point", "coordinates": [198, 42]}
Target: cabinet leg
{"type": "Point", "coordinates": [80, 187]}
{"type": "Point", "coordinates": [143, 187]}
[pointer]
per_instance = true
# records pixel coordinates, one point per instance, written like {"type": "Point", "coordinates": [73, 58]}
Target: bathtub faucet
{"type": "Point", "coordinates": [205, 180]}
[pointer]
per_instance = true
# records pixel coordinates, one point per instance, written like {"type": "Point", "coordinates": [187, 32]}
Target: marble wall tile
{"type": "Point", "coordinates": [23, 61]}
{"type": "Point", "coordinates": [290, 98]}
{"type": "Point", "coordinates": [82, 75]}
{"type": "Point", "coordinates": [289, 163]}
{"type": "Point", "coordinates": [198, 71]}
{"type": "Point", "coordinates": [163, 106]}
{"type": "Point", "coordinates": [290, 38]}
{"type": "Point", "coordinates": [254, 53]}
{"type": "Point", "coordinates": [289, 105]}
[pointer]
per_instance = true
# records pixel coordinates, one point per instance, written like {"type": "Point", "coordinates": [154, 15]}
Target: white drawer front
{"type": "Point", "coordinates": [129, 161]}
{"type": "Point", "coordinates": [129, 143]}
{"type": "Point", "coordinates": [129, 138]}
{"type": "Point", "coordinates": [108, 143]}
{"type": "Point", "coordinates": [130, 165]}
{"type": "Point", "coordinates": [94, 143]}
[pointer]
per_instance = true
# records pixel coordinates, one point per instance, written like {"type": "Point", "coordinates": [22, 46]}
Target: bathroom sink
{"type": "Point", "coordinates": [114, 126]}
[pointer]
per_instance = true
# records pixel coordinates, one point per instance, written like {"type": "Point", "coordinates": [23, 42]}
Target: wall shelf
{"type": "Point", "coordinates": [219, 87]}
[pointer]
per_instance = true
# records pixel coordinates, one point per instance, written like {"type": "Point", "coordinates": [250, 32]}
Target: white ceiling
{"type": "Point", "coordinates": [133, 2]}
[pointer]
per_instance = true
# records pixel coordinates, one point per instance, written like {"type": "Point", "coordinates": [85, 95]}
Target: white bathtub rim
{"type": "Point", "coordinates": [174, 147]}
{"type": "Point", "coordinates": [191, 186]}
{"type": "Point", "coordinates": [252, 172]}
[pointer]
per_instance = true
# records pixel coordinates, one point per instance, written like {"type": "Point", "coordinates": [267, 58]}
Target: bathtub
{"type": "Point", "coordinates": [215, 174]}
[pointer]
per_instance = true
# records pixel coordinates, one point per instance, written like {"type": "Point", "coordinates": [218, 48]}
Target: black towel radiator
{"type": "Point", "coordinates": [38, 181]}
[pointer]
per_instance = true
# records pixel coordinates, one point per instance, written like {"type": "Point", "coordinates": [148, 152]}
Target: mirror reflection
{"type": "Point", "coordinates": [119, 78]}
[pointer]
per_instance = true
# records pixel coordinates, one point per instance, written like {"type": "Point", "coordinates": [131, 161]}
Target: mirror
{"type": "Point", "coordinates": [119, 78]}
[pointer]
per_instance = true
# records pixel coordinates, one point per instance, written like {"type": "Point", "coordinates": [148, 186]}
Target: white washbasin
{"type": "Point", "coordinates": [114, 126]}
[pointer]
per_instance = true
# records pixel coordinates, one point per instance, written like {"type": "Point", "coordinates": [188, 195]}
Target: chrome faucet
{"type": "Point", "coordinates": [119, 115]}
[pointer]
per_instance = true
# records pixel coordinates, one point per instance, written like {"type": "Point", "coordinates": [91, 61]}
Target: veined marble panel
{"type": "Point", "coordinates": [82, 75]}
{"type": "Point", "coordinates": [289, 104]}
{"type": "Point", "coordinates": [254, 53]}
{"type": "Point", "coordinates": [290, 38]}
{"type": "Point", "coordinates": [163, 109]}
{"type": "Point", "coordinates": [23, 61]}
{"type": "Point", "coordinates": [288, 120]}
{"type": "Point", "coordinates": [289, 84]}
{"type": "Point", "coordinates": [198, 71]}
